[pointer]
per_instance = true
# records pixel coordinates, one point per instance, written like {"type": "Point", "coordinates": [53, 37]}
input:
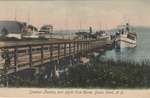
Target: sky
{"type": "Point", "coordinates": [78, 14]}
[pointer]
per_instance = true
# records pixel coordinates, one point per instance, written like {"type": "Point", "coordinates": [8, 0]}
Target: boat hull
{"type": "Point", "coordinates": [124, 42]}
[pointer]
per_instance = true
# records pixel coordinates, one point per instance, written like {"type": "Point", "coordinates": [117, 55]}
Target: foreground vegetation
{"type": "Point", "coordinates": [98, 73]}
{"type": "Point", "coordinates": [110, 74]}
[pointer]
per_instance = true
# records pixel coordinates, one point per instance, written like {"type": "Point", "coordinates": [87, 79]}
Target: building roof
{"type": "Point", "coordinates": [32, 27]}
{"type": "Point", "coordinates": [12, 26]}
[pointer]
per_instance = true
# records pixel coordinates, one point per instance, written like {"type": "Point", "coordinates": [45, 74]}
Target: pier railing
{"type": "Point", "coordinates": [19, 57]}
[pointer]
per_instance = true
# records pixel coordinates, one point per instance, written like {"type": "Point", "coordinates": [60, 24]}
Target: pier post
{"type": "Point", "coordinates": [65, 53]}
{"type": "Point", "coordinates": [65, 50]}
{"type": "Point", "coordinates": [81, 43]}
{"type": "Point", "coordinates": [88, 45]}
{"type": "Point", "coordinates": [15, 58]}
{"type": "Point", "coordinates": [74, 53]}
{"type": "Point", "coordinates": [78, 50]}
{"type": "Point", "coordinates": [30, 56]}
{"type": "Point", "coordinates": [85, 48]}
{"type": "Point", "coordinates": [74, 48]}
{"type": "Point", "coordinates": [38, 70]}
{"type": "Point", "coordinates": [77, 47]}
{"type": "Point", "coordinates": [69, 53]}
{"type": "Point", "coordinates": [58, 52]}
{"type": "Point", "coordinates": [42, 54]}
{"type": "Point", "coordinates": [51, 52]}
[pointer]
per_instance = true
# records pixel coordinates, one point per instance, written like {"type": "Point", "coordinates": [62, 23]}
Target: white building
{"type": "Point", "coordinates": [31, 32]}
{"type": "Point", "coordinates": [46, 31]}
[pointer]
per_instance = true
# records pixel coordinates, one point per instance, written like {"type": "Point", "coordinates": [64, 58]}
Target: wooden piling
{"type": "Point", "coordinates": [65, 49]}
{"type": "Point", "coordinates": [42, 55]}
{"type": "Point", "coordinates": [30, 56]}
{"type": "Point", "coordinates": [49, 53]}
{"type": "Point", "coordinates": [58, 55]}
{"type": "Point", "coordinates": [15, 58]}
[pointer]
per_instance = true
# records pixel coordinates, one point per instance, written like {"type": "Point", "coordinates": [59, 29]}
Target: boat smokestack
{"type": "Point", "coordinates": [90, 29]}
{"type": "Point", "coordinates": [127, 27]}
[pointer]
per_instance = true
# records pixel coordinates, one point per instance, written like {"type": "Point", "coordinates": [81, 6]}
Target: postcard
{"type": "Point", "coordinates": [74, 48]}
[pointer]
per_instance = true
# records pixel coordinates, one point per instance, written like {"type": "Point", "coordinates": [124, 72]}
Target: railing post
{"type": "Point", "coordinates": [50, 52]}
{"type": "Point", "coordinates": [74, 47]}
{"type": "Point", "coordinates": [69, 49]}
{"type": "Point", "coordinates": [83, 44]}
{"type": "Point", "coordinates": [30, 56]}
{"type": "Point", "coordinates": [15, 58]}
{"type": "Point", "coordinates": [81, 48]}
{"type": "Point", "coordinates": [58, 51]}
{"type": "Point", "coordinates": [64, 49]}
{"type": "Point", "coordinates": [42, 55]}
{"type": "Point", "coordinates": [87, 47]}
{"type": "Point", "coordinates": [70, 53]}
{"type": "Point", "coordinates": [78, 51]}
{"type": "Point", "coordinates": [87, 44]}
{"type": "Point", "coordinates": [77, 47]}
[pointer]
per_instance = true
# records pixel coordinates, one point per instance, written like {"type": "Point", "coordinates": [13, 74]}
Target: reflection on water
{"type": "Point", "coordinates": [120, 54]}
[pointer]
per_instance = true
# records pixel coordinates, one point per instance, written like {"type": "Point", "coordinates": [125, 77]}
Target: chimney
{"type": "Point", "coordinates": [90, 29]}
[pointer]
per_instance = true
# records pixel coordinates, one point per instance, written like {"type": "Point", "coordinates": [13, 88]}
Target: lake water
{"type": "Point", "coordinates": [139, 53]}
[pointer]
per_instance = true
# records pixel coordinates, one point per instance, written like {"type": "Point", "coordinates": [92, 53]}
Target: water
{"type": "Point", "coordinates": [137, 54]}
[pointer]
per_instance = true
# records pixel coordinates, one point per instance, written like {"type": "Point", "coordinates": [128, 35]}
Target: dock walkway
{"type": "Point", "coordinates": [27, 56]}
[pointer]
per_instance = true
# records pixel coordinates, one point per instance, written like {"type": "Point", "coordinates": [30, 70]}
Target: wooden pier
{"type": "Point", "coordinates": [20, 57]}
